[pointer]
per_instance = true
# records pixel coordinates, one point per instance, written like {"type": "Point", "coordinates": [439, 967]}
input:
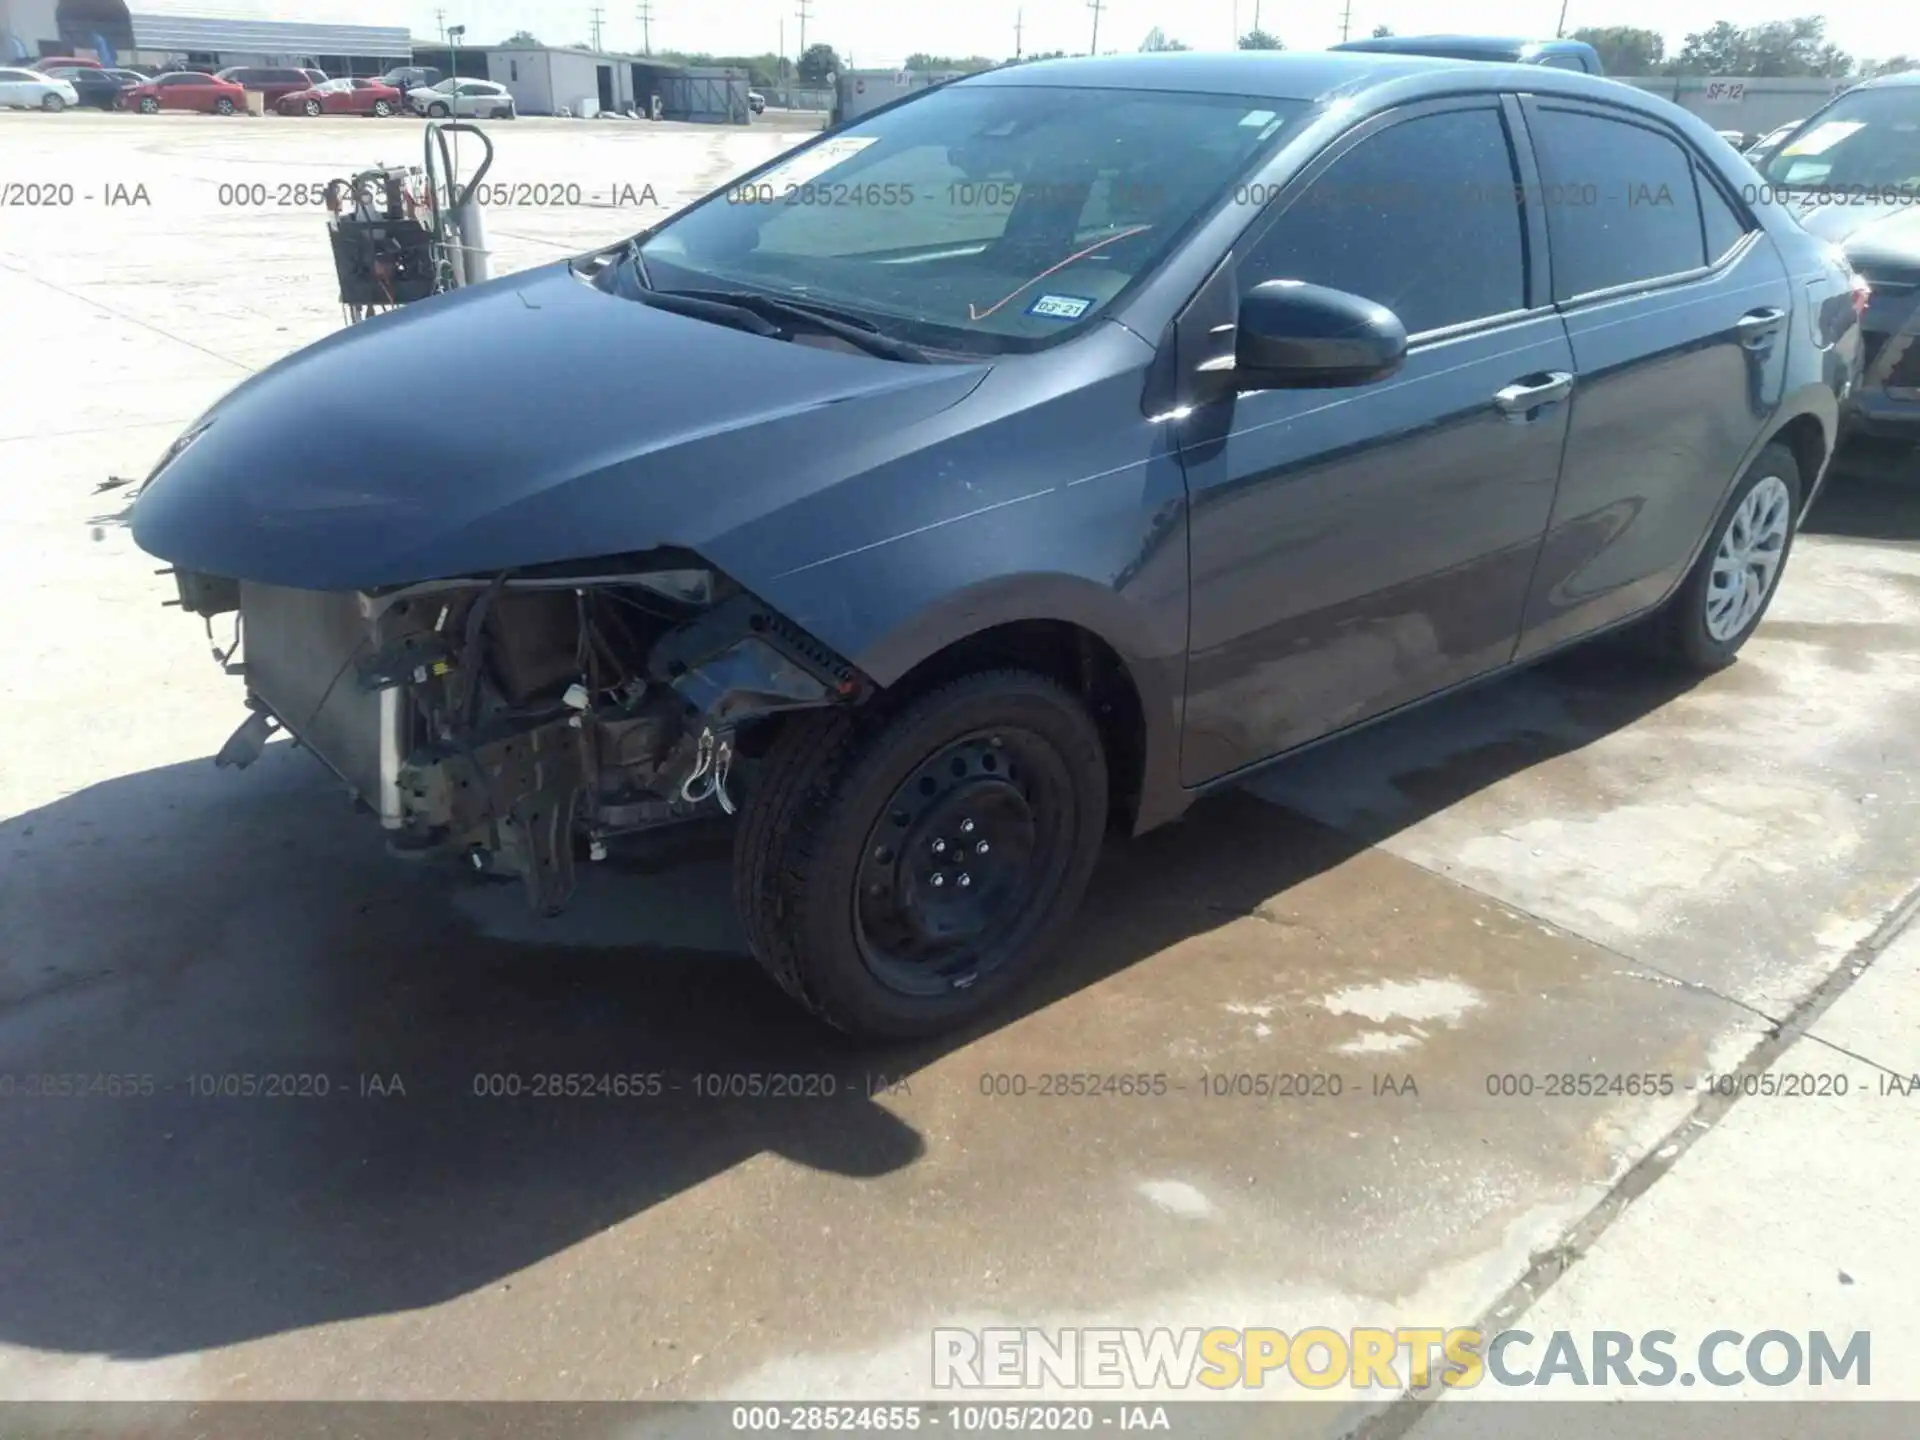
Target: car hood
{"type": "Point", "coordinates": [532, 420]}
{"type": "Point", "coordinates": [1874, 236]}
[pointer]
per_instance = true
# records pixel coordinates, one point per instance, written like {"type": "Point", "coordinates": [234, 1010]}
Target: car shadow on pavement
{"type": "Point", "coordinates": [170, 932]}
{"type": "Point", "coordinates": [1872, 493]}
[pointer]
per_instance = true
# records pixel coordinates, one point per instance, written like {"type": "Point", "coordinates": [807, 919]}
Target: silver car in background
{"type": "Point", "coordinates": [466, 99]}
{"type": "Point", "coordinates": [33, 90]}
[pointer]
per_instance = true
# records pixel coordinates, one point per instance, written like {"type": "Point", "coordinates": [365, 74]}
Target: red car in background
{"type": "Point", "coordinates": [184, 90]}
{"type": "Point", "coordinates": [274, 82]}
{"type": "Point", "coordinates": [343, 97]}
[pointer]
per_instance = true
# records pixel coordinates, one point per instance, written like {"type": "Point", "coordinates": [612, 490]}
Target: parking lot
{"type": "Point", "coordinates": [1590, 867]}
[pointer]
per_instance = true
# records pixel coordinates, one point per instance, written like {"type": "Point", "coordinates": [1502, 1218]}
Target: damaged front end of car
{"type": "Point", "coordinates": [521, 720]}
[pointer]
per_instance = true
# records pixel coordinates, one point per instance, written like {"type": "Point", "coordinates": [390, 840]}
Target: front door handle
{"type": "Point", "coordinates": [1757, 328]}
{"type": "Point", "coordinates": [1532, 391]}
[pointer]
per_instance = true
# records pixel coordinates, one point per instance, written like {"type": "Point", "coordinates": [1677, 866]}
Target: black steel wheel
{"type": "Point", "coordinates": [899, 873]}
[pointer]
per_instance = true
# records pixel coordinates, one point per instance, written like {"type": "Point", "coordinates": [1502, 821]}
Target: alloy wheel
{"type": "Point", "coordinates": [1747, 562]}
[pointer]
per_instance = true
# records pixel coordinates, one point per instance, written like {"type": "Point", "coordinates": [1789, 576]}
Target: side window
{"type": "Point", "coordinates": [1624, 207]}
{"type": "Point", "coordinates": [1564, 62]}
{"type": "Point", "coordinates": [1421, 217]}
{"type": "Point", "coordinates": [1724, 227]}
{"type": "Point", "coordinates": [8, 76]}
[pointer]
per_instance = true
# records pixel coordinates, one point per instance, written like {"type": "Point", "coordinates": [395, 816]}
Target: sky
{"type": "Point", "coordinates": [882, 33]}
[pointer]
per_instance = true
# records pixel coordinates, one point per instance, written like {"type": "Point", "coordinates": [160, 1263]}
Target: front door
{"type": "Point", "coordinates": [1355, 549]}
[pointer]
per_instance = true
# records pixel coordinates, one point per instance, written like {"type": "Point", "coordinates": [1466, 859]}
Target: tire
{"type": "Point", "coordinates": [382, 109]}
{"type": "Point", "coordinates": [149, 105]}
{"type": "Point", "coordinates": [312, 107]}
{"type": "Point", "coordinates": [438, 110]}
{"type": "Point", "coordinates": [835, 914]}
{"type": "Point", "coordinates": [52, 104]}
{"type": "Point", "coordinates": [223, 106]}
{"type": "Point", "coordinates": [1702, 628]}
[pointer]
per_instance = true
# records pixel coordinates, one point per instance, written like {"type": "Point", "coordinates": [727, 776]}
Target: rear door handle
{"type": "Point", "coordinates": [1757, 328]}
{"type": "Point", "coordinates": [1532, 391]}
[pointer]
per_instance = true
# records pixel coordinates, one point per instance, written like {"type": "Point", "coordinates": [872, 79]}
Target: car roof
{"type": "Point", "coordinates": [1314, 75]}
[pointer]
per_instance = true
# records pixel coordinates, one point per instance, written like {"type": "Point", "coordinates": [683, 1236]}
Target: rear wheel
{"type": "Point", "coordinates": [900, 873]}
{"type": "Point", "coordinates": [53, 104]}
{"type": "Point", "coordinates": [1722, 600]}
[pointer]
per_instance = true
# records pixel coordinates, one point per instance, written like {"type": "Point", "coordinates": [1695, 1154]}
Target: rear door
{"type": "Point", "coordinates": [1678, 308]}
{"type": "Point", "coordinates": [14, 85]}
{"type": "Point", "coordinates": [1356, 549]}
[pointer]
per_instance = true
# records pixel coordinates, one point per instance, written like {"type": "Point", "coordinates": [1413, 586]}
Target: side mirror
{"type": "Point", "coordinates": [1292, 335]}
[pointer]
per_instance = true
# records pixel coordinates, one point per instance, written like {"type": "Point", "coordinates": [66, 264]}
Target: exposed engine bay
{"type": "Point", "coordinates": [522, 720]}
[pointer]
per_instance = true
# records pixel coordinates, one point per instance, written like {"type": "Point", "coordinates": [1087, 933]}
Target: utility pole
{"type": "Point", "coordinates": [1346, 21]}
{"type": "Point", "coordinates": [1256, 14]}
{"type": "Point", "coordinates": [1096, 6]}
{"type": "Point", "coordinates": [1560, 30]}
{"type": "Point", "coordinates": [593, 24]}
{"type": "Point", "coordinates": [440, 19]}
{"type": "Point", "coordinates": [803, 27]}
{"type": "Point", "coordinates": [1019, 17]}
{"type": "Point", "coordinates": [645, 16]}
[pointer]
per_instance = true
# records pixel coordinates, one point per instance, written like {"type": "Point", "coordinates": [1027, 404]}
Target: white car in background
{"type": "Point", "coordinates": [31, 90]}
{"type": "Point", "coordinates": [467, 99]}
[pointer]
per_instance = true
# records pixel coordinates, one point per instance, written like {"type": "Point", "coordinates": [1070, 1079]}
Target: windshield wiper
{"type": "Point", "coordinates": [701, 307]}
{"type": "Point", "coordinates": [851, 328]}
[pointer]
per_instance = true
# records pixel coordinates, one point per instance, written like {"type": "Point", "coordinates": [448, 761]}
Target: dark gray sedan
{"type": "Point", "coordinates": [1015, 463]}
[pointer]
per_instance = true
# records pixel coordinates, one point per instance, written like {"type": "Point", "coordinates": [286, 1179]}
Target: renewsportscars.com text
{"type": "Point", "coordinates": [1377, 1358]}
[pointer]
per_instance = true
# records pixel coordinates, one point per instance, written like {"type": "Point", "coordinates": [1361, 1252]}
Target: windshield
{"type": "Point", "coordinates": [977, 218]}
{"type": "Point", "coordinates": [1868, 139]}
{"type": "Point", "coordinates": [445, 87]}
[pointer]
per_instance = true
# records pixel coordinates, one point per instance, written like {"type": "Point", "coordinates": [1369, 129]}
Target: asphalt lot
{"type": "Point", "coordinates": [1588, 866]}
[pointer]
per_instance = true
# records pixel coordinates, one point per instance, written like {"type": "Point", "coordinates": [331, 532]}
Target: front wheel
{"type": "Point", "coordinates": [149, 105]}
{"type": "Point", "coordinates": [1721, 602]}
{"type": "Point", "coordinates": [223, 106]}
{"type": "Point", "coordinates": [899, 873]}
{"type": "Point", "coordinates": [438, 110]}
{"type": "Point", "coordinates": [312, 107]}
{"type": "Point", "coordinates": [382, 109]}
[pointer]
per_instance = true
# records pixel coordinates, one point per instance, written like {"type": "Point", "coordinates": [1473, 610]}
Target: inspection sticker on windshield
{"type": "Point", "coordinates": [817, 161]}
{"type": "Point", "coordinates": [1061, 307]}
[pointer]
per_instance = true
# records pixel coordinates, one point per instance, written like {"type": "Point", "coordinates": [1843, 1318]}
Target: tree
{"type": "Point", "coordinates": [1157, 41]}
{"type": "Point", "coordinates": [1625, 49]}
{"type": "Point", "coordinates": [1260, 40]}
{"type": "Point", "coordinates": [1381, 32]}
{"type": "Point", "coordinates": [1797, 48]}
{"type": "Point", "coordinates": [817, 63]}
{"type": "Point", "coordinates": [524, 39]}
{"type": "Point", "coordinates": [1898, 65]}
{"type": "Point", "coordinates": [920, 60]}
